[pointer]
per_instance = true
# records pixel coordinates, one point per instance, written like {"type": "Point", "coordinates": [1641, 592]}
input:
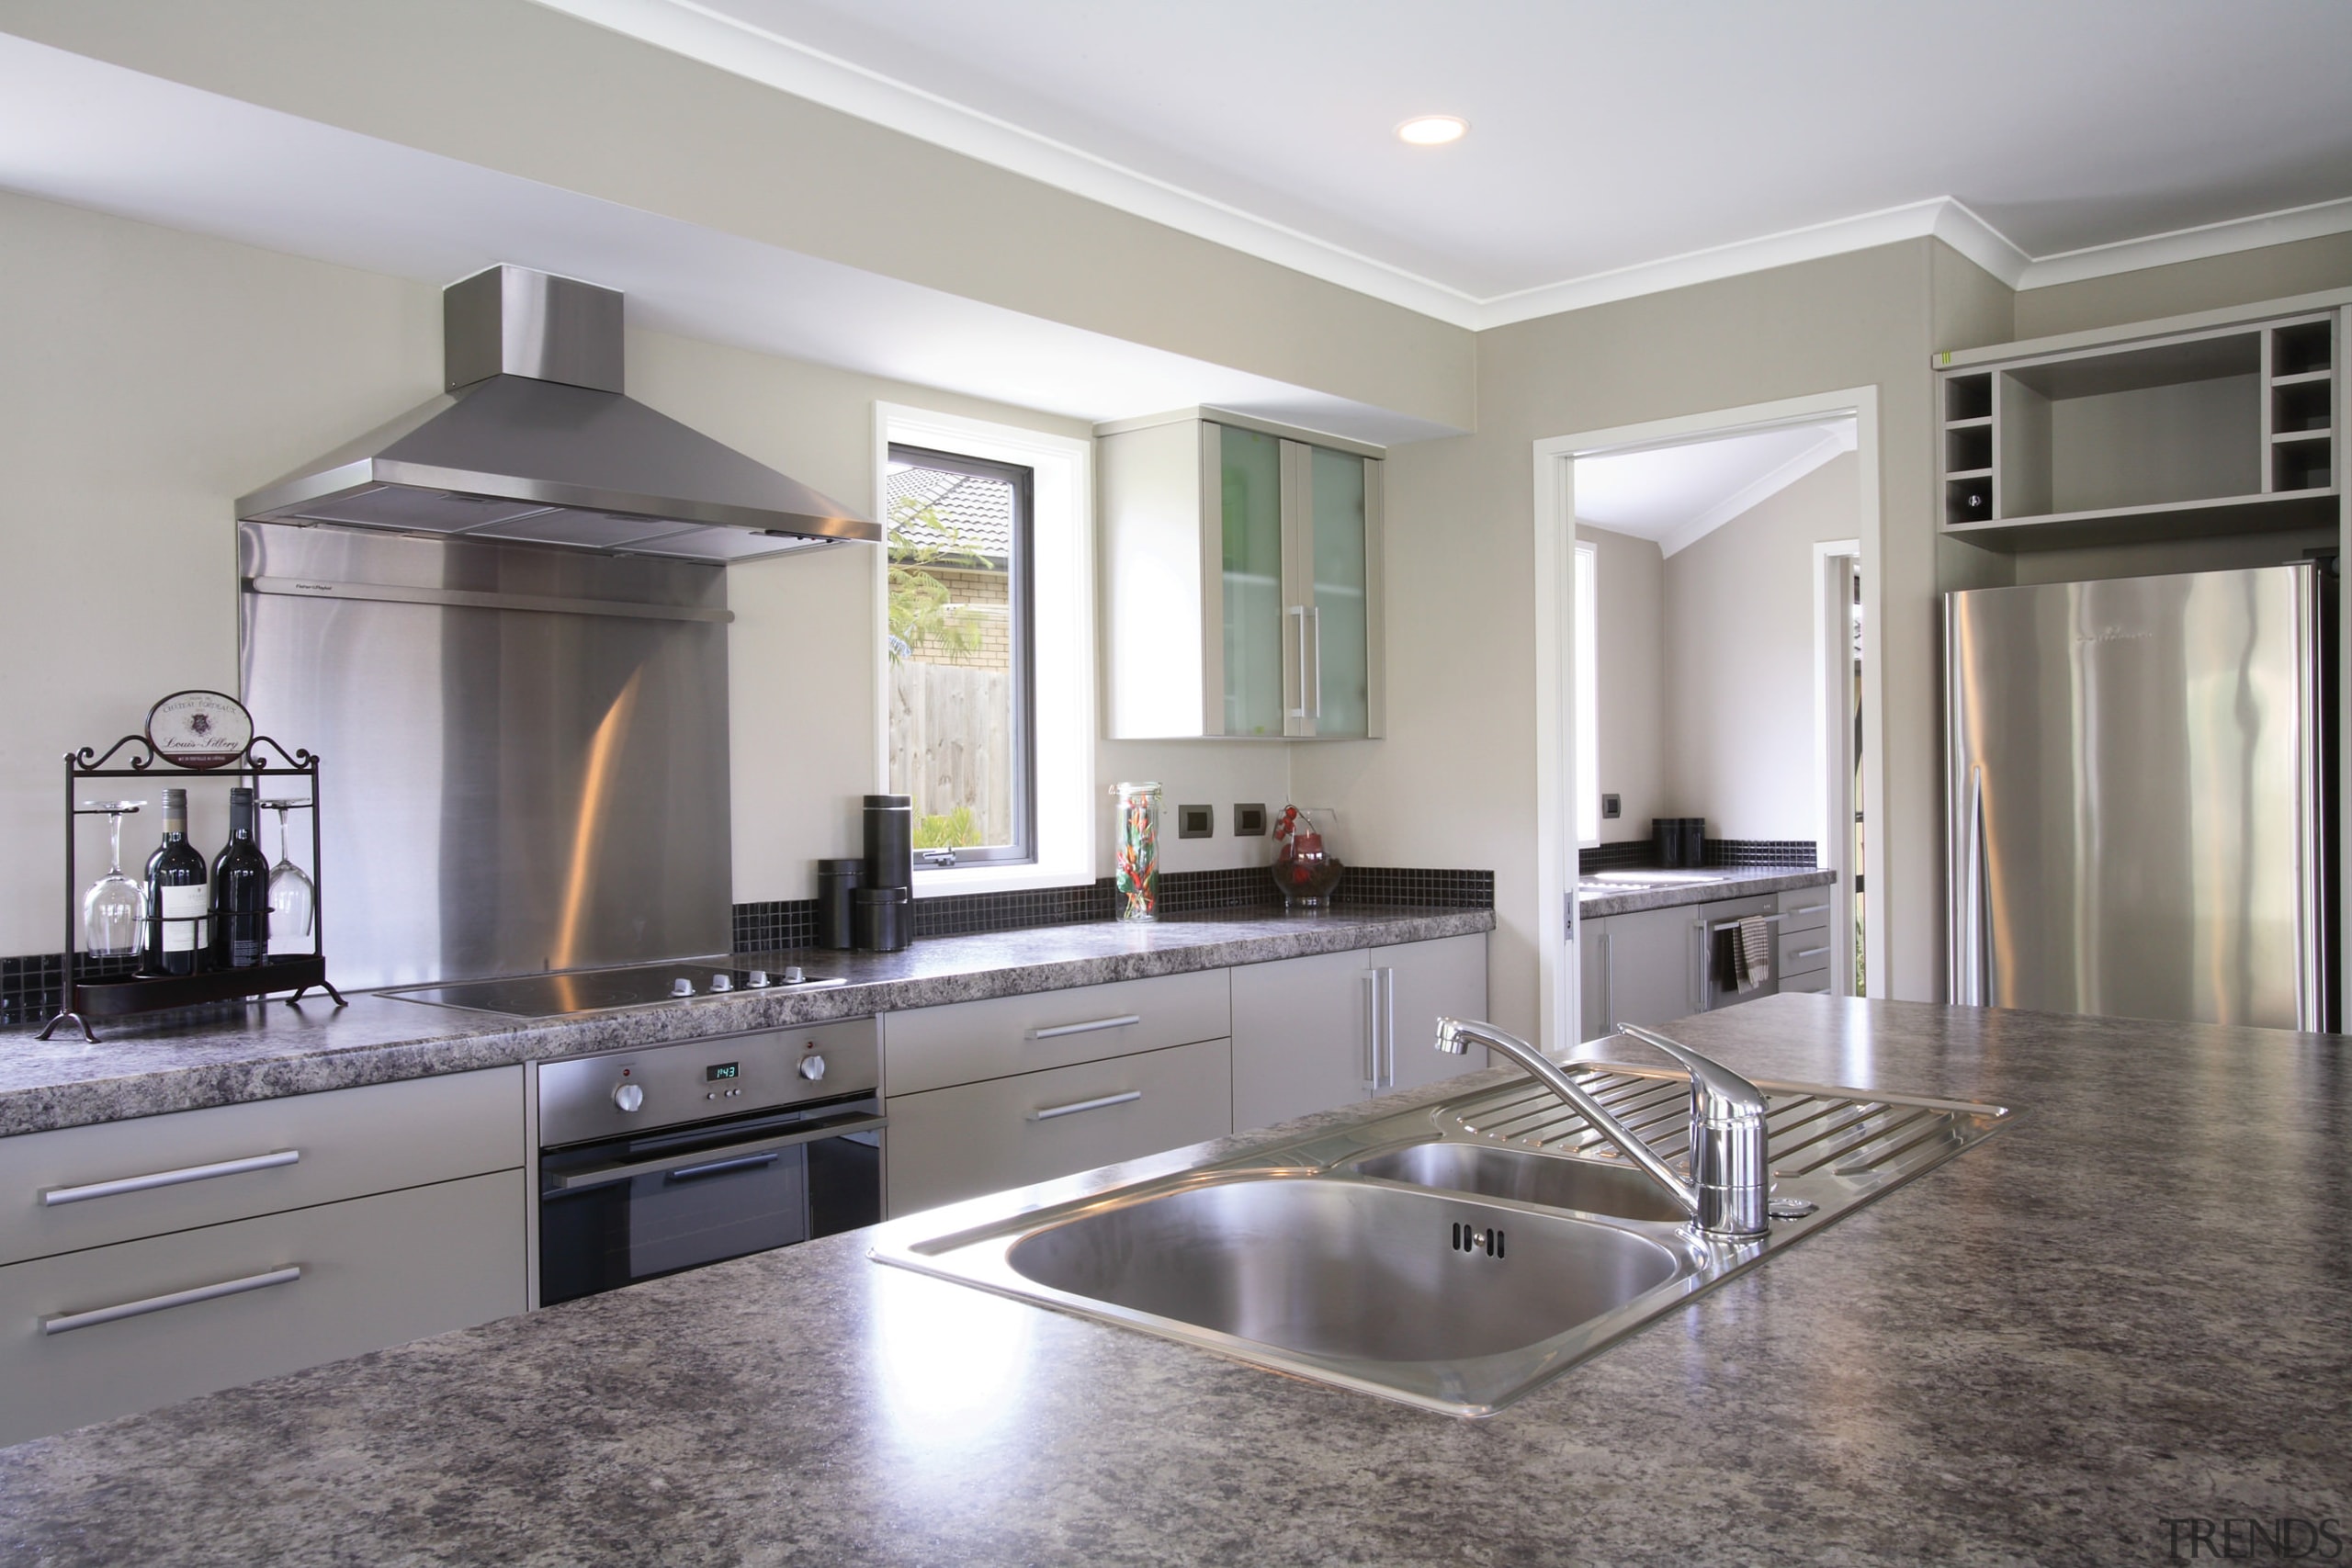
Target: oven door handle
{"type": "Point", "coordinates": [720, 1167]}
{"type": "Point", "coordinates": [699, 1162]}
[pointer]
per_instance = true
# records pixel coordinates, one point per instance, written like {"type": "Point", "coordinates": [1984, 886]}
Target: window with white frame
{"type": "Point", "coordinates": [962, 652]}
{"type": "Point", "coordinates": [1587, 699]}
{"type": "Point", "coordinates": [984, 671]}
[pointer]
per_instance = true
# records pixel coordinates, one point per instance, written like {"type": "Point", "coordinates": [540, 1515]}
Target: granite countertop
{"type": "Point", "coordinates": [1598, 900]}
{"type": "Point", "coordinates": [264, 1050]}
{"type": "Point", "coordinates": [2131, 1306]}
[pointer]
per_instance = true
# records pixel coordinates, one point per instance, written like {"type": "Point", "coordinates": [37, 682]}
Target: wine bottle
{"type": "Point", "coordinates": [176, 896]}
{"type": "Point", "coordinates": [240, 892]}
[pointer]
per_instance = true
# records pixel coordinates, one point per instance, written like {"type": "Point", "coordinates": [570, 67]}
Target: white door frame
{"type": "Point", "coordinates": [1560, 1007]}
{"type": "Point", "coordinates": [1833, 744]}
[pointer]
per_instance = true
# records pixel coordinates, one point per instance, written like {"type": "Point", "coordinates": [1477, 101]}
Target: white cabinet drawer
{"type": "Point", "coordinates": [373, 1271]}
{"type": "Point", "coordinates": [930, 1048]}
{"type": "Point", "coordinates": [156, 1174]}
{"type": "Point", "coordinates": [1802, 953]}
{"type": "Point", "coordinates": [1805, 909]}
{"type": "Point", "coordinates": [1816, 983]}
{"type": "Point", "coordinates": [950, 1144]}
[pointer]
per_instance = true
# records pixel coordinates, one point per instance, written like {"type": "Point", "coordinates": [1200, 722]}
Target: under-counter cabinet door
{"type": "Point", "coordinates": [87, 1335]}
{"type": "Point", "coordinates": [1304, 1036]}
{"type": "Point", "coordinates": [945, 1145]}
{"type": "Point", "coordinates": [1595, 1006]}
{"type": "Point", "coordinates": [1425, 981]}
{"type": "Point", "coordinates": [1652, 958]}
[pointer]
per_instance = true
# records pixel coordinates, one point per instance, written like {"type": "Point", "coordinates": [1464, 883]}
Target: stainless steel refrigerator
{"type": "Point", "coordinates": [2138, 796]}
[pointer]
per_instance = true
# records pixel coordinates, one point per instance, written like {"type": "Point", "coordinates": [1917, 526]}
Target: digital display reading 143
{"type": "Point", "coordinates": [719, 1072]}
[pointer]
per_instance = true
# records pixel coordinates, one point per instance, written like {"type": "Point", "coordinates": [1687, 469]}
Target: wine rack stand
{"type": "Point", "coordinates": [110, 997]}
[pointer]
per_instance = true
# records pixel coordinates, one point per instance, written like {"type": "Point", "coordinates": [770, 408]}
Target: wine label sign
{"type": "Point", "coordinates": [184, 910]}
{"type": "Point", "coordinates": [200, 729]}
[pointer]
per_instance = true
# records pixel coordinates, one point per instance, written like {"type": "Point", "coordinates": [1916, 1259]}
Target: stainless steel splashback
{"type": "Point", "coordinates": [525, 748]}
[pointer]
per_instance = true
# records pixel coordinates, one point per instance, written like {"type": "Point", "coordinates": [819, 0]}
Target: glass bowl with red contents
{"type": "Point", "coordinates": [1305, 868]}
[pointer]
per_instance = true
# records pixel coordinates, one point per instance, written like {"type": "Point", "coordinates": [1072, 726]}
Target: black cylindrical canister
{"type": "Point", "coordinates": [837, 880]}
{"type": "Point", "coordinates": [1665, 841]}
{"type": "Point", "coordinates": [1694, 840]}
{"type": "Point", "coordinates": [886, 919]}
{"type": "Point", "coordinates": [889, 842]}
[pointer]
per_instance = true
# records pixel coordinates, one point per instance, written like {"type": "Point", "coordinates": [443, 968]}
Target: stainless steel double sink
{"type": "Point", "coordinates": [1453, 1257]}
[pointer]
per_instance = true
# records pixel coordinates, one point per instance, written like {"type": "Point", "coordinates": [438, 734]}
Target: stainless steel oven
{"type": "Point", "coordinates": [670, 1158]}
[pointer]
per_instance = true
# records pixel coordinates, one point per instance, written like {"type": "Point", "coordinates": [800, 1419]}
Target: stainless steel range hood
{"type": "Point", "coordinates": [533, 440]}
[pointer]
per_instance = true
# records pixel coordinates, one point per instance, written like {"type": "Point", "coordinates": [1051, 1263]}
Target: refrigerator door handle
{"type": "Point", "coordinates": [1975, 988]}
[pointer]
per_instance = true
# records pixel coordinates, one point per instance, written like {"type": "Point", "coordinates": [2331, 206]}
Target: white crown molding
{"type": "Point", "coordinates": [2319, 219]}
{"type": "Point", "coordinates": [691, 28]}
{"type": "Point", "coordinates": [1939, 216]}
{"type": "Point", "coordinates": [1839, 437]}
{"type": "Point", "coordinates": [686, 28]}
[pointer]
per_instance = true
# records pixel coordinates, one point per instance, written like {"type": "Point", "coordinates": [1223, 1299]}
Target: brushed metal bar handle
{"type": "Point", "coordinates": [51, 1197]}
{"type": "Point", "coordinates": [1976, 992]}
{"type": "Point", "coordinates": [1700, 999]}
{"type": "Point", "coordinates": [1046, 1113]}
{"type": "Point", "coordinates": [1371, 978]}
{"type": "Point", "coordinates": [1388, 1019]}
{"type": "Point", "coordinates": [1608, 978]}
{"type": "Point", "coordinates": [606, 1175]}
{"type": "Point", "coordinates": [1806, 909]}
{"type": "Point", "coordinates": [1768, 919]}
{"type": "Point", "coordinates": [1317, 612]}
{"type": "Point", "coordinates": [1089, 1027]}
{"type": "Point", "coordinates": [1301, 640]}
{"type": "Point", "coordinates": [720, 1167]}
{"type": "Point", "coordinates": [66, 1323]}
{"type": "Point", "coordinates": [1808, 952]}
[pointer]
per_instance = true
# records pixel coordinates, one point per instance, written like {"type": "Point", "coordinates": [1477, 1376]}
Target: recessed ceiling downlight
{"type": "Point", "coordinates": [1432, 130]}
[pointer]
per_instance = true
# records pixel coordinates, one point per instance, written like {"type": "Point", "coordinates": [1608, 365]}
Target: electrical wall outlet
{"type": "Point", "coordinates": [1195, 821]}
{"type": "Point", "coordinates": [1609, 806]}
{"type": "Point", "coordinates": [1249, 821]}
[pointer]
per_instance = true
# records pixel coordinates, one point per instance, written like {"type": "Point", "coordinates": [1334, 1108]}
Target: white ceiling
{"type": "Point", "coordinates": [80, 130]}
{"type": "Point", "coordinates": [1615, 146]}
{"type": "Point", "coordinates": [1679, 495]}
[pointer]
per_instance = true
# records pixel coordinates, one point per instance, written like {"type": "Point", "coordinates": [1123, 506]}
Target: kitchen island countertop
{"type": "Point", "coordinates": [223, 1056]}
{"type": "Point", "coordinates": [2128, 1311]}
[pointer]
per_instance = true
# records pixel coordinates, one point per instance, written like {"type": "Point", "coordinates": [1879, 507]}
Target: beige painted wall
{"type": "Point", "coordinates": [1629, 663]}
{"type": "Point", "coordinates": [151, 377]}
{"type": "Point", "coordinates": [1739, 660]}
{"type": "Point", "coordinates": [529, 91]}
{"type": "Point", "coordinates": [1460, 538]}
{"type": "Point", "coordinates": [2242, 278]}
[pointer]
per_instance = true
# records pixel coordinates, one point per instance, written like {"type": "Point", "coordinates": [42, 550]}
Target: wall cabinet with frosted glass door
{"type": "Point", "coordinates": [1241, 581]}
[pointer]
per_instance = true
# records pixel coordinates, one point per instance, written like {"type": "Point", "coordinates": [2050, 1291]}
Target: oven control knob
{"type": "Point", "coordinates": [722, 981]}
{"type": "Point", "coordinates": [759, 977]}
{"type": "Point", "coordinates": [628, 1097]}
{"type": "Point", "coordinates": [681, 987]}
{"type": "Point", "coordinates": [812, 1066]}
{"type": "Point", "coordinates": [792, 974]}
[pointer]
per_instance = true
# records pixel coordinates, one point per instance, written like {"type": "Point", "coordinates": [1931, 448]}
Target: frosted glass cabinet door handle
{"type": "Point", "coordinates": [1298, 624]}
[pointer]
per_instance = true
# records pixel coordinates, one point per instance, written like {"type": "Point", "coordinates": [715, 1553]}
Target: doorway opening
{"type": "Point", "coordinates": [1703, 547]}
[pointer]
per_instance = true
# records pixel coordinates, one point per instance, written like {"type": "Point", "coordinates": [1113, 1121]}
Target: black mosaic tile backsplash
{"type": "Point", "coordinates": [761, 927]}
{"type": "Point", "coordinates": [1639, 854]}
{"type": "Point", "coordinates": [32, 988]}
{"type": "Point", "coordinates": [1762, 852]}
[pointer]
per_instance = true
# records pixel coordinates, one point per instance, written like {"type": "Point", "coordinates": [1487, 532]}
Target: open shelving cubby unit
{"type": "Point", "coordinates": [2222, 430]}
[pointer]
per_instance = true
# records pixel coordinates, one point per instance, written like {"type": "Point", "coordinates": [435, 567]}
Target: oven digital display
{"type": "Point", "coordinates": [719, 1072]}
